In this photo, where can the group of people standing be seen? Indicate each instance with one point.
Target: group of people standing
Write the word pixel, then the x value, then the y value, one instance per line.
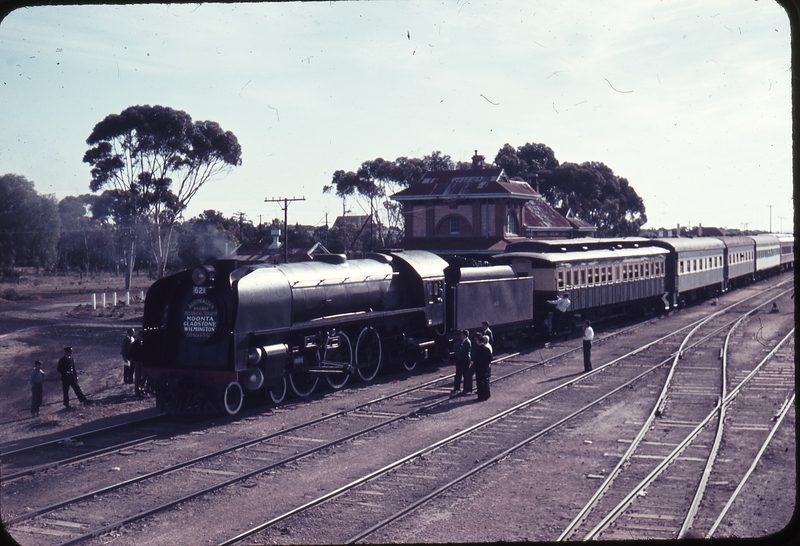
pixel 477 360
pixel 69 380
pixel 132 373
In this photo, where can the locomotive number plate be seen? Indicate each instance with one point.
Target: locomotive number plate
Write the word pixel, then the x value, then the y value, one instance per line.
pixel 200 290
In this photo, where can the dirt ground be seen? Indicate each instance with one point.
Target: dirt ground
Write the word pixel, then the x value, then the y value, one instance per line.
pixel 41 314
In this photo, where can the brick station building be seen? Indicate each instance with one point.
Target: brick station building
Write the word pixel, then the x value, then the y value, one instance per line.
pixel 478 212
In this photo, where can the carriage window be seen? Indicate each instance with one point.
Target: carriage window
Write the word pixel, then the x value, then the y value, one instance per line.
pixel 597 275
pixel 561 280
pixel 681 267
pixel 583 277
pixel 635 271
pixel 603 275
pixel 694 265
pixel 590 277
pixel 618 278
pixel 569 278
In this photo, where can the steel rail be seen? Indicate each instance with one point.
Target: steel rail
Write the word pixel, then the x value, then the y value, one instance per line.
pixel 315 421
pixel 669 459
pixel 5 453
pixel 786 406
pixel 242 477
pixel 701 488
pixel 468 430
pixel 576 521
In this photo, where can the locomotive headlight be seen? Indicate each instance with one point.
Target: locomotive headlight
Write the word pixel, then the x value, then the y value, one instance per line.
pixel 202 274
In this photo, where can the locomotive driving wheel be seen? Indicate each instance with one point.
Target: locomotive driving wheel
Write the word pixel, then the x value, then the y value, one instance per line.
pixel 232 398
pixel 277 392
pixel 302 382
pixel 338 350
pixel 410 361
pixel 369 353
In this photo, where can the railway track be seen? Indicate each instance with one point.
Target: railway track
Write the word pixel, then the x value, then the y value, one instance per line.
pixel 435 469
pixel 277 450
pixel 686 467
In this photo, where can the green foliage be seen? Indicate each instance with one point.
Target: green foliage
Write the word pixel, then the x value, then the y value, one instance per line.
pixel 152 161
pixel 591 190
pixel 29 224
pixel 377 180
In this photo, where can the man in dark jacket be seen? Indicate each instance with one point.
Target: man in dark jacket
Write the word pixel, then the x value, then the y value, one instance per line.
pixel 463 350
pixel 483 363
pixel 69 377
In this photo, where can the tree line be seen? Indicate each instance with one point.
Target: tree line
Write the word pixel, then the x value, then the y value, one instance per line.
pixel 148 162
pixel 589 191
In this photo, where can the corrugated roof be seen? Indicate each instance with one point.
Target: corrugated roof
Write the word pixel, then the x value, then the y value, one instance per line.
pixel 537 213
pixel 465 184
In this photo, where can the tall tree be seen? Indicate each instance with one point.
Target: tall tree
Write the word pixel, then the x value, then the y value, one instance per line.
pixel 595 194
pixel 377 180
pixel 155 159
pixel 591 190
pixel 29 224
pixel 526 162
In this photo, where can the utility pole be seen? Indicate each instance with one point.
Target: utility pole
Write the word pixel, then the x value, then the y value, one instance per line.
pixel 285 208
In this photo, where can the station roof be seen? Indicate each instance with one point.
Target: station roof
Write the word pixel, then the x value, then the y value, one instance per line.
pixel 466 184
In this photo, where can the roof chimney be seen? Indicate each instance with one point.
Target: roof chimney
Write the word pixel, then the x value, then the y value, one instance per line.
pixel 477 161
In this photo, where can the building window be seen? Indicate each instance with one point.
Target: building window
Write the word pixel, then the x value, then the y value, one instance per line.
pixel 455 228
pixel 512 224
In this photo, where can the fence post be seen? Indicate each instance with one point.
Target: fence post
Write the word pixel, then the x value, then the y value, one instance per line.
pixel 115 299
pixel 128 298
pixel 94 301
pixel 104 300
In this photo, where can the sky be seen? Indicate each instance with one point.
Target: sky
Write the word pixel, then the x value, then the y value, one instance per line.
pixel 689 101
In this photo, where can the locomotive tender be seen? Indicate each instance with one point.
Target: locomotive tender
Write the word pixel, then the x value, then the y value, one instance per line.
pixel 223 331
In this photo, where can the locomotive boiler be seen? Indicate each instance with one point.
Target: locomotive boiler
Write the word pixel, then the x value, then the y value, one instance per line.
pixel 224 331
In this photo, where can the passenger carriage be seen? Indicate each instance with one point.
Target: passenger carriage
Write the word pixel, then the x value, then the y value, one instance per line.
pixel 768 255
pixel 739 263
pixel 602 277
pixel 787 251
pixel 695 268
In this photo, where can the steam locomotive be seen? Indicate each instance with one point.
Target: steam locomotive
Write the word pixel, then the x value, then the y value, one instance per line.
pixel 225 331
pixel 220 332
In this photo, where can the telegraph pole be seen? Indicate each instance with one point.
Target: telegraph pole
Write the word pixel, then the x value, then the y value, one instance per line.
pixel 285 208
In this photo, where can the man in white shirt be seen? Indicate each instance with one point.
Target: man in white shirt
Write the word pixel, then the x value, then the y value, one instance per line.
pixel 562 304
pixel 588 336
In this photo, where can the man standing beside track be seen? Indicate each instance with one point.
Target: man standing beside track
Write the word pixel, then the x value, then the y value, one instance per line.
pixel 69 378
pixel 562 304
pixel 588 336
pixel 463 350
pixel 483 366
pixel 127 368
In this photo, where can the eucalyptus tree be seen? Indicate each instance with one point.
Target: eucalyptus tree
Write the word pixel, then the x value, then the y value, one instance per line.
pixel 377 180
pixel 152 160
pixel 29 224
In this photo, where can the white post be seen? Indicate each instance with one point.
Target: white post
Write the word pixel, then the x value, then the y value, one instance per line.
pixel 104 300
pixel 128 298
pixel 115 299
pixel 141 295
pixel 94 301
